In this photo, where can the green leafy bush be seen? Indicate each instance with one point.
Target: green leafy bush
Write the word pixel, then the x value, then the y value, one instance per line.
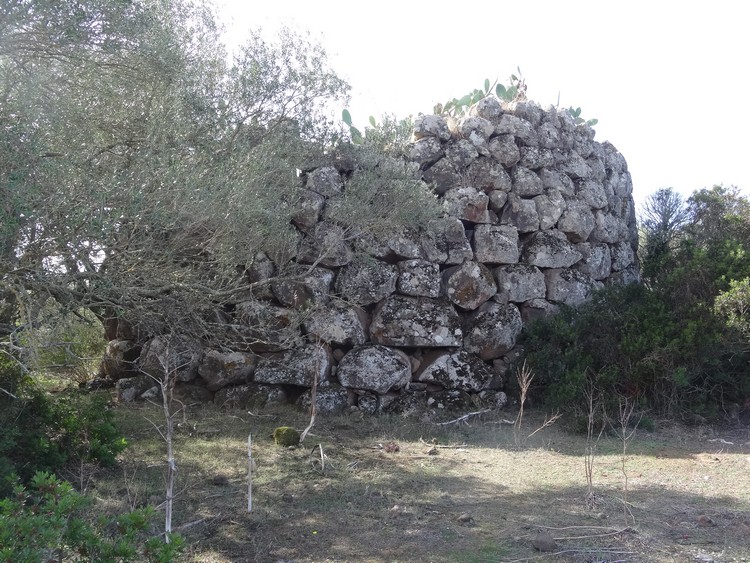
pixel 627 342
pixel 46 521
pixel 42 432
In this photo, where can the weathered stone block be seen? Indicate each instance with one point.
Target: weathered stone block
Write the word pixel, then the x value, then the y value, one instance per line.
pixel 457 370
pixel 419 278
pixel 519 282
pixel 492 330
pixel 366 281
pixel 550 249
pixel 496 244
pixel 411 321
pixel 469 285
pixel 295 367
pixel 374 368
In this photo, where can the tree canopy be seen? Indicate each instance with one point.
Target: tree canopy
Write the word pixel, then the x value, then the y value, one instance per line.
pixel 142 171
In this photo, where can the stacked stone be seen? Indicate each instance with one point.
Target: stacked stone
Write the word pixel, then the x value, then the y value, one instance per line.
pixel 538 214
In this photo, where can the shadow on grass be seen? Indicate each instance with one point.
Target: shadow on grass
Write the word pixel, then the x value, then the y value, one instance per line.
pixel 484 501
pixel 409 516
pixel 369 505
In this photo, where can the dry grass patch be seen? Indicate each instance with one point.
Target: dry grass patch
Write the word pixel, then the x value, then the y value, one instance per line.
pixel 394 489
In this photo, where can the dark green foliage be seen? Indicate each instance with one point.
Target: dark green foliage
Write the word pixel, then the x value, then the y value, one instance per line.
pixel 47 521
pixel 629 343
pixel 666 344
pixel 45 433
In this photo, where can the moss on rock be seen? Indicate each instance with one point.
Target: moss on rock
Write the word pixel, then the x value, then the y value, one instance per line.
pixel 286 436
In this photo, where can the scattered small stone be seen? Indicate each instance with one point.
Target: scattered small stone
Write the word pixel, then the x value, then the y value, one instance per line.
pixel 391 447
pixel 465 518
pixel 544 542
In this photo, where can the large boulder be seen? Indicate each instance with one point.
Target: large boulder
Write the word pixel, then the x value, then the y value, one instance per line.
pixel 338 323
pixel 477 131
pixel 496 244
pixel 444 242
pixel 262 327
pixel 304 288
pixel 571 287
pixel 219 369
pixel 249 395
pixel 456 370
pixel 520 213
pixel 469 285
pixel 526 183
pixel 550 249
pixel 410 321
pixel 534 158
pixel 326 246
pixel 461 153
pixel 418 278
pixel 622 255
pixel 299 367
pixel 577 221
pixel 492 330
pixel 443 176
pixel 519 282
pixel 374 368
pixel 608 228
pixel 549 208
pixel 504 149
pixel 325 181
pixel 309 206
pixel 426 150
pixel 329 400
pixel 592 194
pixel 468 204
pixel 596 261
pixel 431 126
pixel 521 129
pixel 366 281
pixel 484 175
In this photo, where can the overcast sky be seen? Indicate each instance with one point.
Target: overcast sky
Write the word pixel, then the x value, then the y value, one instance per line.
pixel 668 81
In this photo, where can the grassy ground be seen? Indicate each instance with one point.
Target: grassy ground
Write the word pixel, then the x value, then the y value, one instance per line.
pixel 455 492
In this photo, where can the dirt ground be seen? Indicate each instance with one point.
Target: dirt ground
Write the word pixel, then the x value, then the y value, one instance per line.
pixel 394 489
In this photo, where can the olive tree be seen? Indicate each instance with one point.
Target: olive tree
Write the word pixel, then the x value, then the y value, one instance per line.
pixel 142 170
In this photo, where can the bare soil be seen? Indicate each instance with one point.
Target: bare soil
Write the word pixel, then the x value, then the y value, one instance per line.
pixel 395 489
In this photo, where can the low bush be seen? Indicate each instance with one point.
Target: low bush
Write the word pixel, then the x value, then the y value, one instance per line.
pixel 46 521
pixel 628 342
pixel 44 433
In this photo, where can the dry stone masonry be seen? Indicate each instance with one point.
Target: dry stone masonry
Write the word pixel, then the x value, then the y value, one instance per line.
pixel 537 214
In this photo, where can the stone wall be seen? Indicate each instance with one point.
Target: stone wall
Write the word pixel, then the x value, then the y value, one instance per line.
pixel 538 214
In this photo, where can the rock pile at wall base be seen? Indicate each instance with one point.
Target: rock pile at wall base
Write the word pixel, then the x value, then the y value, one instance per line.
pixel 538 214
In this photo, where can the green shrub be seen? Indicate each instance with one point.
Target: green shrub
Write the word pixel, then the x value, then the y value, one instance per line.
pixel 43 433
pixel 47 521
pixel 629 342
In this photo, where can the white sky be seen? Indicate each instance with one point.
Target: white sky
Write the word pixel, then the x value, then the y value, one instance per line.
pixel 668 80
